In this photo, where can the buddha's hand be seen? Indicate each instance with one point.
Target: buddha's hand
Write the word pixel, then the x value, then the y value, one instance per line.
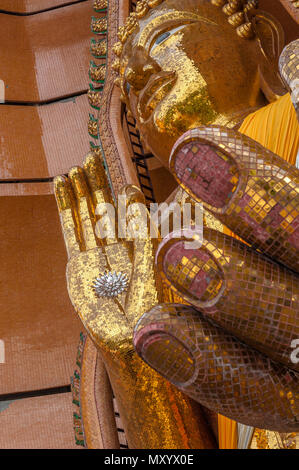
pixel 100 274
pixel 111 283
pixel 235 347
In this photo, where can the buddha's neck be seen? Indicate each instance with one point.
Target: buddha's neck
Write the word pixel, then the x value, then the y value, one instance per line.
pixel 235 120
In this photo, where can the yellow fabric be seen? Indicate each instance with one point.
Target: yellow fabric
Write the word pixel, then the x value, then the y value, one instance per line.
pixel 275 127
pixel 227 433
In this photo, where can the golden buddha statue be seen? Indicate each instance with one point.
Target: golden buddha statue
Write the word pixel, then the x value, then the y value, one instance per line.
pixel 208 67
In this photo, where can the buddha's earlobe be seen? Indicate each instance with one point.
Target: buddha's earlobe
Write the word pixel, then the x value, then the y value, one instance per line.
pixel 270 36
pixel 271 83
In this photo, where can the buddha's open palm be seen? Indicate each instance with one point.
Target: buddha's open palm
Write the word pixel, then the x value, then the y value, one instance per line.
pixel 94 250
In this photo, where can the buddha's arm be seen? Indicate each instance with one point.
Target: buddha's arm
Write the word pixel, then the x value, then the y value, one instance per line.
pixel 154 414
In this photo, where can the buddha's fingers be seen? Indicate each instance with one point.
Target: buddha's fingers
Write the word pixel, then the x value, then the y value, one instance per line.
pixel 216 369
pixel 247 294
pixel 102 199
pixel 251 190
pixel 135 215
pixel 66 203
pixel 142 293
pixel 85 207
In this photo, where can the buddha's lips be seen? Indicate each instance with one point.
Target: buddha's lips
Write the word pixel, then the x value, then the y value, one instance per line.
pixel 154 92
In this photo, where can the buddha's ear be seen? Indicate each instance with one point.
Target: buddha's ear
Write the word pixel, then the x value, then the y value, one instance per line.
pixel 270 36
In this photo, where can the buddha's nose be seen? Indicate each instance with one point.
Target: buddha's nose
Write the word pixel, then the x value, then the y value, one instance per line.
pixel 140 68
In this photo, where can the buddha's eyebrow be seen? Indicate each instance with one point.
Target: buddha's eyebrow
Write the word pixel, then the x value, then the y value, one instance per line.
pixel 170 18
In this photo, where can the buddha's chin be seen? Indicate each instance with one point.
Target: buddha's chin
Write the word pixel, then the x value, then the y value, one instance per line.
pixel 159 138
pixel 160 134
pixel 160 146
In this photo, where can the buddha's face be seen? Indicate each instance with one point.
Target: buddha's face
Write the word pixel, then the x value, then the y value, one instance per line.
pixel 185 66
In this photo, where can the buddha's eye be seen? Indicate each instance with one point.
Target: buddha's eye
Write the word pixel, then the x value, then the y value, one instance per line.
pixel 162 37
pixel 165 35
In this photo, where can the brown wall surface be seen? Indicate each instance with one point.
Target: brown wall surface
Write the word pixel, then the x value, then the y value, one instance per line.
pixel 30 6
pixel 46 56
pixel 40 423
pixel 43 141
pixel 37 322
pixel 43 57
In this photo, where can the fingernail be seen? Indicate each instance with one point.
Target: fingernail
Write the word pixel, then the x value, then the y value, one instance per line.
pixel 95 172
pixel 133 194
pixel 79 184
pixel 193 273
pixel 165 353
pixel 210 174
pixel 62 192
